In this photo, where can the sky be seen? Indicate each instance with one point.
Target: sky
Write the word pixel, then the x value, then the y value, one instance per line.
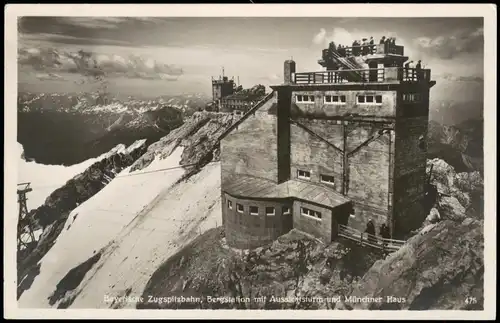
pixel 156 56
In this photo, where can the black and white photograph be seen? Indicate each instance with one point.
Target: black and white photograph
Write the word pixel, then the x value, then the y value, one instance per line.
pixel 232 163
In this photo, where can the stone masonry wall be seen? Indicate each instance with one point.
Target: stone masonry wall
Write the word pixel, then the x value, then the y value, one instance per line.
pixel 251 148
pixel 409 173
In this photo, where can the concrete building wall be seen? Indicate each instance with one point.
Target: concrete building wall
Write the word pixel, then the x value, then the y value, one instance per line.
pixel 320 109
pixel 251 148
pixel 309 153
pixel 320 228
pixel 244 230
pixel 368 184
pixel 410 173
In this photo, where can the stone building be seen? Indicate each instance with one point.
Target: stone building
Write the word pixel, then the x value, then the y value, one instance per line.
pixel 240 102
pixel 221 88
pixel 329 148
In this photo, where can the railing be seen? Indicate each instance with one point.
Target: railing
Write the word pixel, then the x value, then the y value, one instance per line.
pixel 366 239
pixel 363 50
pixel 369 75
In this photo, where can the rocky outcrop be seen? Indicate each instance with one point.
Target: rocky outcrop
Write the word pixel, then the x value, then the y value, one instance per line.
pixel 460 195
pixel 199 135
pixel 297 268
pixel 52 215
pixel 442 267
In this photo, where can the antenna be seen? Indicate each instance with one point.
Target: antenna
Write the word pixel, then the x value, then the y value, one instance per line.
pixel 222 71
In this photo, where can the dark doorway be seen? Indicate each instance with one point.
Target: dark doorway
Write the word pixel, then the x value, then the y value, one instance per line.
pixel 373 71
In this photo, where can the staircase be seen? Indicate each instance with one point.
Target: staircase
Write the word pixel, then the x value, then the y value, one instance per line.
pixel 351 76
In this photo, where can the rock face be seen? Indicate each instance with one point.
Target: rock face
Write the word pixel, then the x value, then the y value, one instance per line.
pixel 460 145
pixel 199 135
pixel 52 216
pixel 460 194
pixel 440 268
pixel 296 268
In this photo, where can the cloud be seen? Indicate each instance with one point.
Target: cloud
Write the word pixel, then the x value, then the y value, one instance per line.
pixel 96 65
pixel 453 78
pixel 49 76
pixel 271 78
pixel 450 46
pixel 319 38
pixel 66 39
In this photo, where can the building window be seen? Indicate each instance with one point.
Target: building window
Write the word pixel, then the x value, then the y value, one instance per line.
pixel 303 174
pixel 335 99
pixel 269 210
pixel 286 210
pixel 412 97
pixel 239 207
pixel 229 204
pixel 310 213
pixel 254 210
pixel 305 98
pixel 327 179
pixel 370 99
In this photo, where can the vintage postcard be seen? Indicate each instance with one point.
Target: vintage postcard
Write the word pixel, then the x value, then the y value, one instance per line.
pixel 250 161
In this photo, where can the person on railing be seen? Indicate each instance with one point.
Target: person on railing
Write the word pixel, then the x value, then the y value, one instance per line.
pixel 370 230
pixel 382 40
pixel 384 233
pixel 418 70
pixel 339 50
pixel 364 49
pixel 387 45
pixel 371 45
pixel 355 48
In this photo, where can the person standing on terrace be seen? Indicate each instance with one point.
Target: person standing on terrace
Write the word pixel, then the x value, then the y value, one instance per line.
pixel 371 45
pixel 364 49
pixel 355 48
pixel 418 70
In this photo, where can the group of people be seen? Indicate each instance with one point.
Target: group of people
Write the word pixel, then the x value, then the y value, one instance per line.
pixel 362 47
pixel 370 229
pixel 418 69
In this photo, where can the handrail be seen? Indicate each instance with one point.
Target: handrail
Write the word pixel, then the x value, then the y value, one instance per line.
pixel 369 75
pixel 369 239
pixel 369 49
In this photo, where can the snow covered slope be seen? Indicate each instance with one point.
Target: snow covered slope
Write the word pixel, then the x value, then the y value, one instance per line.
pixel 47 178
pixel 139 219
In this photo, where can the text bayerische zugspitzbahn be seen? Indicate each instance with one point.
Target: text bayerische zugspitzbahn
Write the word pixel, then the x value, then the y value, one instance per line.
pixel 262 299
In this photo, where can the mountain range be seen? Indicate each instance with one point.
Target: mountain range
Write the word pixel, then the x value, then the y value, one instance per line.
pixel 67 129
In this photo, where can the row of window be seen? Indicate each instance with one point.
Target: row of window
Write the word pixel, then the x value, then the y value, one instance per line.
pixel 310 213
pixel 327 179
pixel 254 210
pixel 341 99
pixel 412 97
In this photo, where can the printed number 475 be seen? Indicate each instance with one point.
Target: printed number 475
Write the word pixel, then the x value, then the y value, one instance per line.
pixel 470 300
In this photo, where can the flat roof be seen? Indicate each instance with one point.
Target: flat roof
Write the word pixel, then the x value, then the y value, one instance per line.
pixel 254 187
